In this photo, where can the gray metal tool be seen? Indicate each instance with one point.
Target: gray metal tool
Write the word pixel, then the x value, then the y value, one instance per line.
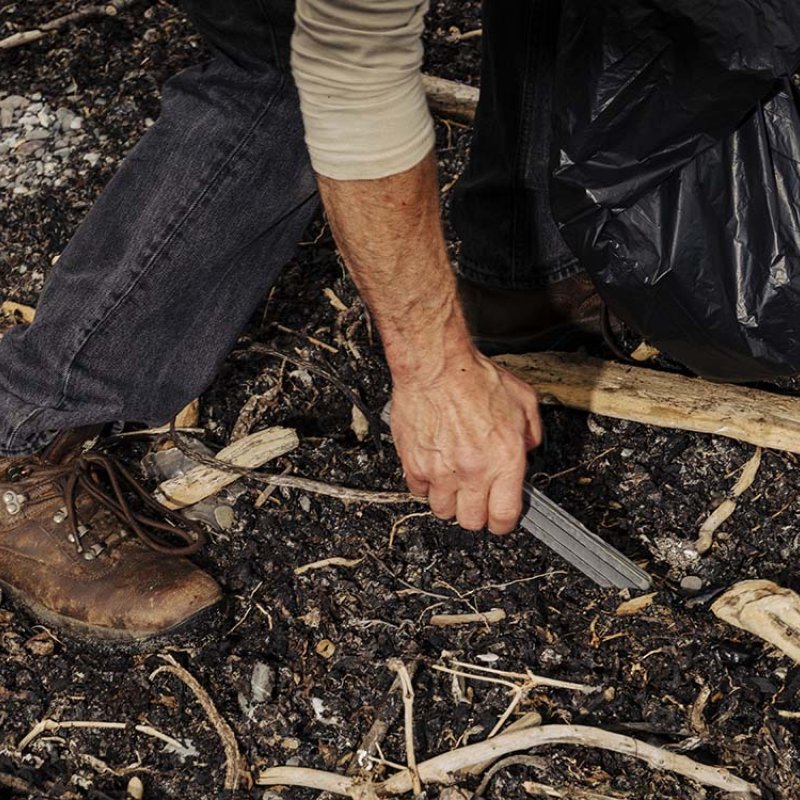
pixel 575 543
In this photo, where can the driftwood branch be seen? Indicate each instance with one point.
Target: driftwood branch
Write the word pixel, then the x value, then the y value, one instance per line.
pixel 445 769
pixel 766 610
pixel 661 398
pixel 451 99
pixel 110 9
pixel 203 481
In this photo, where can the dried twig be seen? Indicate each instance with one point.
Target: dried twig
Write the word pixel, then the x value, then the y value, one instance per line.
pixel 233 758
pixel 335 561
pixel 109 9
pixel 51 726
pixel 451 99
pixel 447 620
pixel 724 510
pixel 397 523
pixel 445 769
pixel 407 685
pixel 343 493
pixel 386 717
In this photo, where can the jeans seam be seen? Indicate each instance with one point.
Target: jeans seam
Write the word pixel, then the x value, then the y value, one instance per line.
pixel 155 257
pixel 16 429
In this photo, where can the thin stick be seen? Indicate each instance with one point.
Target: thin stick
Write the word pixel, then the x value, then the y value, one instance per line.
pixel 233 758
pixel 396 665
pixel 725 509
pixel 343 493
pixel 386 717
pixel 396 525
pixel 51 726
pixel 517 691
pixel 529 677
pixel 447 620
pixel 109 9
pixel 335 561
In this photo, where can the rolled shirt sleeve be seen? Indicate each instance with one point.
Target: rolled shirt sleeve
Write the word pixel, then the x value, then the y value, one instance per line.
pixel 357 67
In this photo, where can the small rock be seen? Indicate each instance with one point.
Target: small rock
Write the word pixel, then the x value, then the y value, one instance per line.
pixel 92 158
pixel 14 101
pixel 692 584
pixel 76 124
pixel 37 134
pixel 28 148
pixel 6 117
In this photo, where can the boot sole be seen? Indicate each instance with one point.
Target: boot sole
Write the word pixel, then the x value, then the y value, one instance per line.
pixel 94 634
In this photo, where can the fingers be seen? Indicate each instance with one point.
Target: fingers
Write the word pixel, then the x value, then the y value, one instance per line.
pixel 443 500
pixel 505 499
pixel 471 507
pixel 417 485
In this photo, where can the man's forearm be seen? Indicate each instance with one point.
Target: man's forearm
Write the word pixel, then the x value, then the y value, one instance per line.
pixel 389 233
pixel 461 425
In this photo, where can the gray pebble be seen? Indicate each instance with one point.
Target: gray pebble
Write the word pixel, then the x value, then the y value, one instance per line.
pixel 692 584
pixel 14 101
pixel 36 134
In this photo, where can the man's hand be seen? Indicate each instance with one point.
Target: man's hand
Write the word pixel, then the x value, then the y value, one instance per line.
pixel 461 425
pixel 463 438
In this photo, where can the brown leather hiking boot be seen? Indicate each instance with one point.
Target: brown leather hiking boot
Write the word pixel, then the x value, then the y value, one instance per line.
pixel 519 321
pixel 77 555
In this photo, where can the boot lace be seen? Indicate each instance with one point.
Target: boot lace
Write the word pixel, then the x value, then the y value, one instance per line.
pixel 106 481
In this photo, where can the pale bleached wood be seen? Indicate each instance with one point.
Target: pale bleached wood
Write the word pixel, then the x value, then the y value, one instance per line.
pixel 661 398
pixel 110 9
pixel 203 481
pixel 451 99
pixel 766 610
pixel 445 769
pixel 14 311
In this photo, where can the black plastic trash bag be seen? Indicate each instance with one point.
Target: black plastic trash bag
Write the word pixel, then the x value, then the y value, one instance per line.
pixel 677 173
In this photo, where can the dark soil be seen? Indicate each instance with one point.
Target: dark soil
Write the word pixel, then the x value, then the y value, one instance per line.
pixel 324 637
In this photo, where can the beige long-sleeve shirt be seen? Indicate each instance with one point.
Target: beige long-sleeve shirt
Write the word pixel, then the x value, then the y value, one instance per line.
pixel 357 67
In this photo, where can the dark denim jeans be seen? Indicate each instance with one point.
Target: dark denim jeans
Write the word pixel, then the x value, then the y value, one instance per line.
pixel 154 288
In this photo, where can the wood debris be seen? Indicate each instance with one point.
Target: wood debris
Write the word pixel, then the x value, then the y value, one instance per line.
pixel 16 312
pixel 490 617
pixel 645 352
pixel 635 604
pixel 663 399
pixel 766 610
pixel 109 9
pixel 234 771
pixel 445 769
pixel 451 99
pixel 203 481
pixel 726 508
